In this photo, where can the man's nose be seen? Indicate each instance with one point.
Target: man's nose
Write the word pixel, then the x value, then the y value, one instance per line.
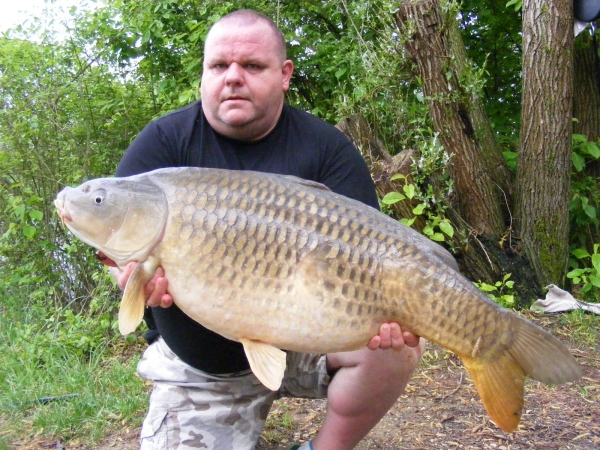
pixel 234 74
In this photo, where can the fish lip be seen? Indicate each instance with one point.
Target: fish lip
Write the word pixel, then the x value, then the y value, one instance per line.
pixel 61 210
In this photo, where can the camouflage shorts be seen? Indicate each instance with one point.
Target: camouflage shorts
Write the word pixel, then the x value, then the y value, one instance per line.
pixel 190 409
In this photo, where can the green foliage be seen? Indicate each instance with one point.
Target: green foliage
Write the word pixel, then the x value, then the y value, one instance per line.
pixel 492 35
pixel 517 4
pixel 428 203
pixel 64 119
pixel 501 291
pixel 583 150
pixel 586 271
pixel 583 207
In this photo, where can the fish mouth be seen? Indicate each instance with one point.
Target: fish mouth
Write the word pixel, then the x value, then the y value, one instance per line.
pixel 62 212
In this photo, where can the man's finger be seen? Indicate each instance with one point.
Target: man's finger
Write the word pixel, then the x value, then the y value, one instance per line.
pixel 410 339
pixel 124 276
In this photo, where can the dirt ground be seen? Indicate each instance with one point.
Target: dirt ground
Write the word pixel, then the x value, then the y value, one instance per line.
pixel 441 410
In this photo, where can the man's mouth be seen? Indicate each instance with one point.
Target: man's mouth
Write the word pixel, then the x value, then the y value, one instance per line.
pixel 235 98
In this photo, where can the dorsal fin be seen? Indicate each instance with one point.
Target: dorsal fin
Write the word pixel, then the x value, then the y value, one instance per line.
pixel 303 182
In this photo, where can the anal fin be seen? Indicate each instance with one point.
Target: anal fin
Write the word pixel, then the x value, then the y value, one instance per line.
pixel 500 386
pixel 266 361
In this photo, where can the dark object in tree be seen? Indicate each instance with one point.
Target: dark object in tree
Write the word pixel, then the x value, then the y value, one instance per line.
pixel 586 10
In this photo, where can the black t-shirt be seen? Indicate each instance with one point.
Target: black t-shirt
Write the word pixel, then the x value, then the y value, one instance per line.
pixel 300 145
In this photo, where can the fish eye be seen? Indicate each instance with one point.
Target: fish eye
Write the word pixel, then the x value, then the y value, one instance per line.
pixel 99 197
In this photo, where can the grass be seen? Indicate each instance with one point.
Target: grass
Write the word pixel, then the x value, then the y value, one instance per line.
pixel 278 420
pixel 584 327
pixel 46 353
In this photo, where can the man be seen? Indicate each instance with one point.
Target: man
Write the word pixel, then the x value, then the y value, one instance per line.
pixel 204 393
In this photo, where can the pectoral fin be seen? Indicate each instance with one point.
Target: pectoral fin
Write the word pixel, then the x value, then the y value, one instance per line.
pixel 267 362
pixel 132 307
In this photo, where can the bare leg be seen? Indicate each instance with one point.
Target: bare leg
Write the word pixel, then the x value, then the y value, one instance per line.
pixel 366 385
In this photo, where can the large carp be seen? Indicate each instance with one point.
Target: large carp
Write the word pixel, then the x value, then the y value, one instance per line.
pixel 276 262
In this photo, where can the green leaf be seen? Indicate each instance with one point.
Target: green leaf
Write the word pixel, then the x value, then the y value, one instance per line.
pixel 36 215
pixel 409 190
pixel 508 299
pixel 340 73
pixel 29 231
pixel 19 211
pixel 418 210
pixel 590 211
pixel 578 161
pixel 408 222
pixel 398 176
pixel 596 262
pixel 593 150
pixel 580 253
pixel 438 237
pixel 595 280
pixel 518 4
pixel 486 287
pixel 447 228
pixel 392 197
pixel 575 273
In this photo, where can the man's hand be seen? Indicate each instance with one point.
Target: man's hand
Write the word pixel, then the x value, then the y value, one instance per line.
pixel 156 289
pixel 391 337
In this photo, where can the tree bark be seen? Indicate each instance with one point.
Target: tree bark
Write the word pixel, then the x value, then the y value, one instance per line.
pixel 586 95
pixel 544 164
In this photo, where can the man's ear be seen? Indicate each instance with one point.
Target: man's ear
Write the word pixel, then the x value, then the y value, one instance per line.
pixel 287 70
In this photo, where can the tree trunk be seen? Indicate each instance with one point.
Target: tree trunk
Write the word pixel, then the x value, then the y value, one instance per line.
pixel 544 164
pixel 586 95
pixel 483 183
pixel 456 116
pixel 586 109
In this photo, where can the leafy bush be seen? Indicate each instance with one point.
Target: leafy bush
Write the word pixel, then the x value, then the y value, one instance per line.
pixel 586 277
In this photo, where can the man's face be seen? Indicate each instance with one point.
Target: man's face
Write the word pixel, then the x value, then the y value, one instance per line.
pixel 244 80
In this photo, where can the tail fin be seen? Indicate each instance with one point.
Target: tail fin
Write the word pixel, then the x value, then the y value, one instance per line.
pixel 500 386
pixel 533 353
pixel 542 356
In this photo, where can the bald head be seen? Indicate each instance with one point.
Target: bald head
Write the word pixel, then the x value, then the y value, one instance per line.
pixel 247 18
pixel 245 75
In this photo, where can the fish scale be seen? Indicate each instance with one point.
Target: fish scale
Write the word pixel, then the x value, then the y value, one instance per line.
pixel 277 262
